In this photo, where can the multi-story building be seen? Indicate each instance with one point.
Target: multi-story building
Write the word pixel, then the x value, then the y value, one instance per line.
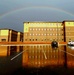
pixel 43 31
pixel 9 35
pixel 69 35
pixel 68 30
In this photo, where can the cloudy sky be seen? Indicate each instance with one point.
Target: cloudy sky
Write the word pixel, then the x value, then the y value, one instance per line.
pixel 14 12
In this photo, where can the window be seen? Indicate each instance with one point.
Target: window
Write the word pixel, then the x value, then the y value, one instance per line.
pixel 30 39
pixel 33 28
pixel 47 34
pixel 36 39
pixel 50 34
pixel 33 39
pixel 30 29
pixel 36 34
pixel 45 29
pixel 56 34
pixel 42 34
pixel 29 57
pixel 36 29
pixel 62 34
pixel 50 29
pixel 53 29
pixel 39 34
pixel 30 34
pixel 42 40
pixel 45 39
pixel 62 29
pixel 59 34
pixel 42 29
pixel 33 34
pixel 3 40
pixel 62 39
pixel 39 29
pixel 59 29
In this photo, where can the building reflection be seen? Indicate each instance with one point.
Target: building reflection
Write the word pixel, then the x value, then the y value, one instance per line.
pixel 3 50
pixel 8 66
pixel 40 56
pixel 10 50
pixel 43 55
pixel 70 57
pixel 36 56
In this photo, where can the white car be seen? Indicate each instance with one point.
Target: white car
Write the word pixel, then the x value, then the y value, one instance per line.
pixel 71 43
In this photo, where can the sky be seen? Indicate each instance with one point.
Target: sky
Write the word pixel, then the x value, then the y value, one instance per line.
pixel 14 12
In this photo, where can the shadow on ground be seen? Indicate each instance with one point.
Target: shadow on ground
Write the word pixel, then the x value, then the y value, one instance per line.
pixel 44 71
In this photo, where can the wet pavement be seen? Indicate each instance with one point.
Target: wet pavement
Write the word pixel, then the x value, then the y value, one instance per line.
pixel 57 61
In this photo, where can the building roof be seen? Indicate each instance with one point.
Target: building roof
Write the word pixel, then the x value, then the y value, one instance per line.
pixel 48 21
pixel 9 29
pixel 68 21
pixel 42 22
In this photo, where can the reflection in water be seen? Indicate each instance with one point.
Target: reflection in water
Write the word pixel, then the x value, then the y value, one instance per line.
pixel 45 60
pixel 7 67
pixel 40 56
pixel 36 59
pixel 3 50
pixel 70 57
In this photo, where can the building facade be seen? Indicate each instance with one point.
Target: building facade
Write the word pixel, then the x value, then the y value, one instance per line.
pixel 47 31
pixel 68 30
pixel 43 31
pixel 9 35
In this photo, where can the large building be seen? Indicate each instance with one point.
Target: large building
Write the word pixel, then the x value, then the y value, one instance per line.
pixel 47 31
pixel 9 35
pixel 68 30
pixel 43 31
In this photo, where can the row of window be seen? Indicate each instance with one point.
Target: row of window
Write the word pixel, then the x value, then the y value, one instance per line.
pixel 42 39
pixel 39 50
pixel 42 57
pixel 32 34
pixel 45 29
pixel 39 63
pixel 38 46
pixel 70 22
pixel 56 23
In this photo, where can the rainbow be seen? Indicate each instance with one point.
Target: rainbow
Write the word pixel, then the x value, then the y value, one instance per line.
pixel 34 7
